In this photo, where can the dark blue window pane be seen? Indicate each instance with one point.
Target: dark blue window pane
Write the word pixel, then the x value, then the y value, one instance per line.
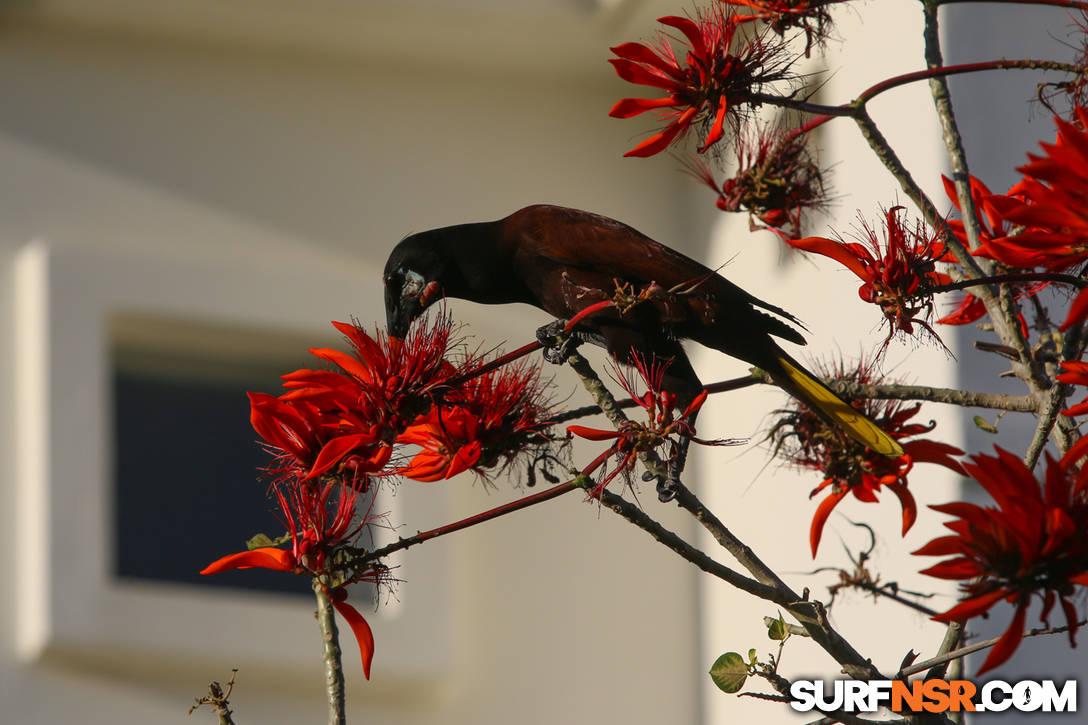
pixel 187 481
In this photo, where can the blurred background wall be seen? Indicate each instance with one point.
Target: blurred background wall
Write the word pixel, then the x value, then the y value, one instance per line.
pixel 238 142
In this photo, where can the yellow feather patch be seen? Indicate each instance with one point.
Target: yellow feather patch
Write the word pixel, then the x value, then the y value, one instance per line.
pixel 857 426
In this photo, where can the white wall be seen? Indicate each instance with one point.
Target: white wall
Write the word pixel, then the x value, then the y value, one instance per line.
pixel 181 147
pixel 267 133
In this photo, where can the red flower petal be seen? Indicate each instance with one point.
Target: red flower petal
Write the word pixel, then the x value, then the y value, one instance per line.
pixel 627 107
pixel 690 29
pixel 824 510
pixel 337 448
pixel 1078 311
pixel 639 53
pixel 659 142
pixel 941 546
pixel 344 361
pixel 717 129
pixel 641 75
pixel 266 557
pixel 837 251
pixel 959 568
pixel 972 607
pixel 593 434
pixel 426 466
pixel 1009 641
pixel 361 630
pixel 906 500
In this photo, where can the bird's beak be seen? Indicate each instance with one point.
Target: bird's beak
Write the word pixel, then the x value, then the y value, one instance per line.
pixel 399 314
pixel 402 309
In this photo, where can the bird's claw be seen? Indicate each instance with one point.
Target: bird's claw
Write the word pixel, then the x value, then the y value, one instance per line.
pixel 667 486
pixel 558 345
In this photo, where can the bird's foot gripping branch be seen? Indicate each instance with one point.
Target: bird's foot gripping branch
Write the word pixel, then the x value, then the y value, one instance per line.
pixel 410 404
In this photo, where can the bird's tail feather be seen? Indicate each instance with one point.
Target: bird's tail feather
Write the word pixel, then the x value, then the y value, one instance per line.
pixel 825 403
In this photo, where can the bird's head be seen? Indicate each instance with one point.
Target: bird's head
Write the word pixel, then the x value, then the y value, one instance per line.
pixel 413 281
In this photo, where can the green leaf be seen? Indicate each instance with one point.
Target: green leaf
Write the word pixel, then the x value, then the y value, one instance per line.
pixel 778 629
pixel 729 672
pixel 262 540
pixel 983 424
pixel 258 541
pixel 752 659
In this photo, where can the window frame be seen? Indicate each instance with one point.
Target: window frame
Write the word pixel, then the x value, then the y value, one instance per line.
pixel 69 603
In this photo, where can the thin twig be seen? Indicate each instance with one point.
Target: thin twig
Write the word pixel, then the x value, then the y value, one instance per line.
pixel 951 396
pixel 1053 402
pixel 719 387
pixel 887 156
pixel 506 508
pixel 810 614
pixel 1075 4
pixel 971 648
pixel 953 638
pixel 895 597
pixel 219 699
pixel 639 518
pixel 943 71
pixel 1068 279
pixel 330 652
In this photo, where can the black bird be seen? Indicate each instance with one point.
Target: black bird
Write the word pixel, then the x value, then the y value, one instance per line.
pixel 563 260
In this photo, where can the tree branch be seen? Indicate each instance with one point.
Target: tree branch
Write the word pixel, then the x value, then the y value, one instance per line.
pixel 506 508
pixel 219 699
pixel 951 396
pixel 971 648
pixel 1068 279
pixel 639 518
pixel 330 651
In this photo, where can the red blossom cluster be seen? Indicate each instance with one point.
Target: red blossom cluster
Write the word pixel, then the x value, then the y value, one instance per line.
pixel 320 519
pixel 898 272
pixel 1050 203
pixel 781 16
pixel 777 178
pixel 1042 221
pixel 663 425
pixel 484 422
pixel 1033 543
pixel 806 441
pixel 335 430
pixel 717 75
pixel 991 225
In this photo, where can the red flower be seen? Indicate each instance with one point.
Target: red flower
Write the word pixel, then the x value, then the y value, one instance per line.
pixel 449 440
pixel 310 442
pixel 319 527
pixel 480 423
pixel 991 226
pixel 662 427
pixel 1051 202
pixel 812 16
pixel 384 382
pixel 511 409
pixel 805 440
pixel 897 273
pixel 1035 542
pixel 709 85
pixel 777 178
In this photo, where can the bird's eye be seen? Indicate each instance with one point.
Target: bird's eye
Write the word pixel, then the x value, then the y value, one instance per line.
pixel 413 285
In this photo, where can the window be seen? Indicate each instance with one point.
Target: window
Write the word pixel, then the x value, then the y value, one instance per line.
pixel 118 357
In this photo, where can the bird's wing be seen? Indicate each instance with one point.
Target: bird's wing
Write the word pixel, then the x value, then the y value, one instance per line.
pixel 602 249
